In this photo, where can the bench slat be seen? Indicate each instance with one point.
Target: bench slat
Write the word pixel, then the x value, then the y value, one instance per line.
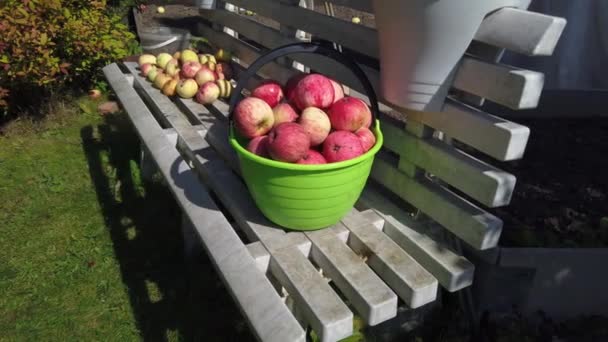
pixel 470 223
pixel 494 136
pixel 505 85
pixel 481 181
pixel 414 284
pixel 372 298
pixel 521 31
pixel 264 309
pixel 453 271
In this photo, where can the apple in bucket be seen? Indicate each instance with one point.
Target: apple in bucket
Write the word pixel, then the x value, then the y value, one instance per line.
pixel 368 139
pixel 288 142
pixel 314 90
pixel 269 91
pixel 259 146
pixel 316 123
pixel 284 112
pixel 342 145
pixel 253 117
pixel 349 114
pixel 312 157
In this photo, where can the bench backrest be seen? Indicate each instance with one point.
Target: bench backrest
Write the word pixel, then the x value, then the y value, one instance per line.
pixel 427 159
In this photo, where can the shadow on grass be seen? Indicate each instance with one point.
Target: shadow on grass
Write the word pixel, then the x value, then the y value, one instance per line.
pixel 170 299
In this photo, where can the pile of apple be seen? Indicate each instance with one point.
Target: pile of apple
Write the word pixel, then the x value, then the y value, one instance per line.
pixel 205 77
pixel 309 121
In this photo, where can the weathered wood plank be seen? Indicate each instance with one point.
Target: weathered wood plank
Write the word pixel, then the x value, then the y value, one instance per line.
pixel 505 85
pixel 399 270
pixel 470 223
pixel 269 318
pixel 372 298
pixel 496 137
pixel 324 310
pixel 481 181
pixel 422 240
pixel 521 31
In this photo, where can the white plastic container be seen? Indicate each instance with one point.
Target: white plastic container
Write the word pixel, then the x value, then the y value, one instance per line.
pixel 421 42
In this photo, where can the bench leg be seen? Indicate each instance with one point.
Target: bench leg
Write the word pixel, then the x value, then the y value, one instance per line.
pixel 146 165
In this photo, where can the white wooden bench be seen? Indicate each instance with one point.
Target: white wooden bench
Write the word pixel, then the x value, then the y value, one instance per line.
pixel 284 281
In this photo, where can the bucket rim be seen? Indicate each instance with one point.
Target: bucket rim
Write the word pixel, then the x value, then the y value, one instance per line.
pixel 242 151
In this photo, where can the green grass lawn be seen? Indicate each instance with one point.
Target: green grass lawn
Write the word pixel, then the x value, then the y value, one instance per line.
pixel 88 251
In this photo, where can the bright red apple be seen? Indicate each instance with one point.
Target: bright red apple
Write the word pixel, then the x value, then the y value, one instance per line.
pixel 312 157
pixel 259 146
pixel 288 142
pixel 284 112
pixel 253 117
pixel 349 114
pixel 368 139
pixel 190 69
pixel 314 90
pixel 316 123
pixel 269 91
pixel 341 145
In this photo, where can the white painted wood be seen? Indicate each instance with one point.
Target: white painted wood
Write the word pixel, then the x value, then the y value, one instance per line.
pixel 481 181
pixel 372 298
pixel 269 318
pixel 260 255
pixel 521 31
pixel 422 240
pixel 494 136
pixel 470 223
pixel 326 313
pixel 508 86
pixel 415 285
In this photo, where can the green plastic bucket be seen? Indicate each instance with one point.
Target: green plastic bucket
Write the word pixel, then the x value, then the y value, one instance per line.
pixel 304 197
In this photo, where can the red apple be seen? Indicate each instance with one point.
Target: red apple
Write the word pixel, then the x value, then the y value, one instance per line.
pixel 314 91
pixel 338 90
pixel 312 157
pixel 259 146
pixel 269 91
pixel 349 114
pixel 284 112
pixel 253 117
pixel 189 69
pixel 208 93
pixel 290 87
pixel 368 139
pixel 204 75
pixel 288 142
pixel 316 123
pixel 341 145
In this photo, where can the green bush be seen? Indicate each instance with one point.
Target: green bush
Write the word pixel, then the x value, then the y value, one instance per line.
pixel 49 45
